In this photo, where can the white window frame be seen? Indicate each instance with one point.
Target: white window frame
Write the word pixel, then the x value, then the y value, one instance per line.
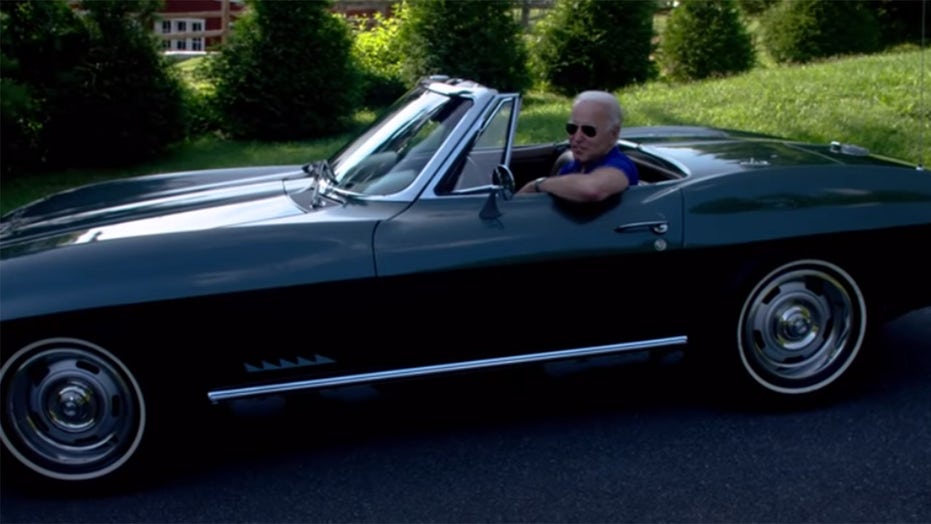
pixel 183 25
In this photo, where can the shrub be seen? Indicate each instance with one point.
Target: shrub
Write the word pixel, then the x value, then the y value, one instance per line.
pixel 900 21
pixel 129 104
pixel 798 31
pixel 201 116
pixel 592 44
pixel 19 120
pixel 476 40
pixel 755 7
pixel 85 90
pixel 375 49
pixel 22 88
pixel 286 73
pixel 705 38
pixel 200 113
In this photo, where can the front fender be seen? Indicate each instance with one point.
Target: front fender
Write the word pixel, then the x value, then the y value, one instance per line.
pixel 184 265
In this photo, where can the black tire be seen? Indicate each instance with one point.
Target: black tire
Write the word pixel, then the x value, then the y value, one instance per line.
pixel 801 328
pixel 71 410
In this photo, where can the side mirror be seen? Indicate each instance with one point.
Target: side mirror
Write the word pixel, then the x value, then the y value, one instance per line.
pixel 502 183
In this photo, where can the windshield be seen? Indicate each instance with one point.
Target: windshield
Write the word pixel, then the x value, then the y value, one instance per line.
pixel 390 154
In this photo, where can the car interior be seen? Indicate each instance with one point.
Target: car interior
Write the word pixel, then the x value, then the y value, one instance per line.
pixel 529 162
pixel 533 161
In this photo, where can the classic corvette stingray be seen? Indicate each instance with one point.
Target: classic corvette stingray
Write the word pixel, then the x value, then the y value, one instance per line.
pixel 407 254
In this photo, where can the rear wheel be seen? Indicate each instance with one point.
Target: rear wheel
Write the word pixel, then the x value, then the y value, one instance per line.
pixel 801 327
pixel 71 410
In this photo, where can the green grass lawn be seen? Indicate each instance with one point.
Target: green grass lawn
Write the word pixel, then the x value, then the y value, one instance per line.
pixel 872 101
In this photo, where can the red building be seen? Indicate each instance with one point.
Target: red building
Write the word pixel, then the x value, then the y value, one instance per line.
pixel 196 25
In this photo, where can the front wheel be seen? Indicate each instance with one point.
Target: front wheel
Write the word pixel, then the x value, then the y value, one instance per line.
pixel 801 327
pixel 71 410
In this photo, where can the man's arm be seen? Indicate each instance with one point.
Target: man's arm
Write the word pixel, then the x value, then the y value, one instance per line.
pixel 590 187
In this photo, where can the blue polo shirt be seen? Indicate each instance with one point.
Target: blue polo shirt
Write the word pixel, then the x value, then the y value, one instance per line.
pixel 614 158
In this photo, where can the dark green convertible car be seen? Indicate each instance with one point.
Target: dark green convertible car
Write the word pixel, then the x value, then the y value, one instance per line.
pixel 130 304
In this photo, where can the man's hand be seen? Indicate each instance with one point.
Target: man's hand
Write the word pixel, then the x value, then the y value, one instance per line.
pixel 527 188
pixel 576 187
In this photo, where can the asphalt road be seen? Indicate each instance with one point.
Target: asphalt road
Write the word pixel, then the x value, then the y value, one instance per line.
pixel 606 442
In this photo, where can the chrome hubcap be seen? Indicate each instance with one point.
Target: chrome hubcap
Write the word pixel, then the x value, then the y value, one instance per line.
pixel 73 407
pixel 73 410
pixel 795 327
pixel 801 327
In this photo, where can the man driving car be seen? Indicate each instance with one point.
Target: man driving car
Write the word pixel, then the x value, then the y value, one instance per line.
pixel 599 169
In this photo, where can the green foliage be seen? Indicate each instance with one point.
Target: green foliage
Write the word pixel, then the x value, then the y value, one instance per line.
pixel 592 44
pixel 19 117
pixel 705 38
pixel 479 40
pixel 130 103
pixel 89 89
pixel 900 21
pixel 201 116
pixel 286 73
pixel 755 7
pixel 872 101
pixel 798 31
pixel 40 50
pixel 375 49
pixel 18 126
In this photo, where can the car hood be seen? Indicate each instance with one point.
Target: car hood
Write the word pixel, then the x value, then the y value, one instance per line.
pixel 159 204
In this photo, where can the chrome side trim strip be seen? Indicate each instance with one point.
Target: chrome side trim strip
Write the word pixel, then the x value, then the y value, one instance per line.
pixel 221 395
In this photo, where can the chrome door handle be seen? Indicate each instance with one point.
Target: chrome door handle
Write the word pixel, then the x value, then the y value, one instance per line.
pixel 658 227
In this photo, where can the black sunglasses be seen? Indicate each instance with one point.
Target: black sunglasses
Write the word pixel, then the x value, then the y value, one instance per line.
pixel 588 131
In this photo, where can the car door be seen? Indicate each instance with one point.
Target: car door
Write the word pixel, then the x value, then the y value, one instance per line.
pixel 471 274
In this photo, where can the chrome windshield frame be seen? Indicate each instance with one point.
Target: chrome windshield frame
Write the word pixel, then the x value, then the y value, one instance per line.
pixel 480 97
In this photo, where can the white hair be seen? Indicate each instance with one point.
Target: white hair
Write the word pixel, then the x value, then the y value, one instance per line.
pixel 607 100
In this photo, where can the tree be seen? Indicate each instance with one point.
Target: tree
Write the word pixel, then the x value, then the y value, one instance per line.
pixel 705 38
pixel 900 20
pixel 798 31
pixel 85 89
pixel 129 103
pixel 286 73
pixel 40 45
pixel 588 44
pixel 755 7
pixel 377 53
pixel 479 40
